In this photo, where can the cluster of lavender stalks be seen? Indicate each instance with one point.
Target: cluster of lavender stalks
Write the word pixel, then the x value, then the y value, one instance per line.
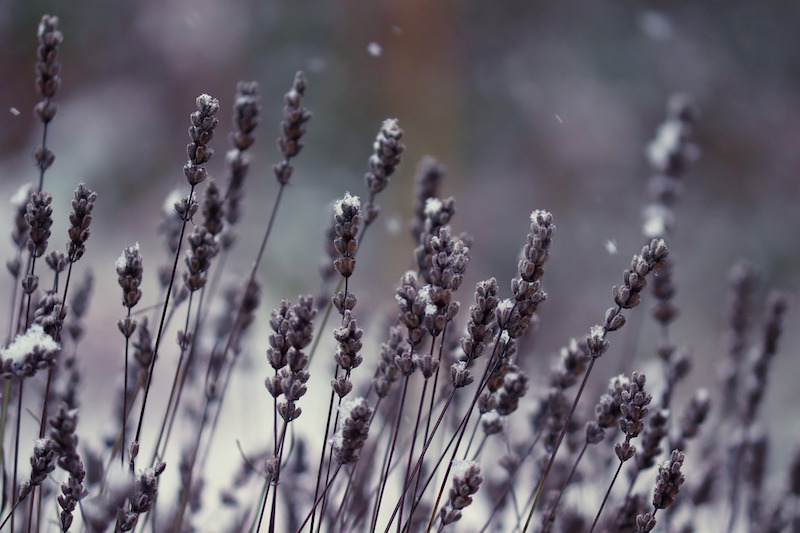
pixel 446 422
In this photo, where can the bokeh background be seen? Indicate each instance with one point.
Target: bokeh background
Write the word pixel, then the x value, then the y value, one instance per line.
pixel 529 104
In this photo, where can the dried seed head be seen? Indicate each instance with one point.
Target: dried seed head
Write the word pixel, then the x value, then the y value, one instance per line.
pixel 81 217
pixel 39 216
pixel 48 67
pixel 355 414
pixel 293 128
pixel 347 214
pixel 201 131
pixel 387 149
pixel 129 275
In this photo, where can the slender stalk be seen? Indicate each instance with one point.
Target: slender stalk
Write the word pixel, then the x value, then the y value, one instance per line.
pixel 605 498
pixel 546 472
pixel 385 475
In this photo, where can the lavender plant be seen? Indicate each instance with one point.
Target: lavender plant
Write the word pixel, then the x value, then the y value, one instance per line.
pixel 502 440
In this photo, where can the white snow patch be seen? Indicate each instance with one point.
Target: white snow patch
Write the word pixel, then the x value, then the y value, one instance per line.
pixel 460 468
pixel 433 206
pixel 348 201
pixel 26 343
pixel 121 260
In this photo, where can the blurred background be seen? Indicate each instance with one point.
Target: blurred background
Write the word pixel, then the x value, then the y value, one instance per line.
pixel 529 105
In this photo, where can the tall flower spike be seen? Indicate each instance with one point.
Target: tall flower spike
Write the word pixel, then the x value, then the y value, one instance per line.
pixel 43 460
pixel 427 183
pixel 347 213
pixel 201 132
pixel 668 482
pixel 352 433
pixel 48 68
pixel 387 149
pixel 293 128
pixel 466 482
pixel 528 293
pixel 129 272
pixel 80 219
pixel 39 217
pixel 246 111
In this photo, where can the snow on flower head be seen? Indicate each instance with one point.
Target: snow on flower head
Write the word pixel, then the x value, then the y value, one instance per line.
pixel 122 260
pixel 25 344
pixel 425 296
pixel 347 405
pixel 504 304
pixel 460 468
pixel 348 201
pixel 432 207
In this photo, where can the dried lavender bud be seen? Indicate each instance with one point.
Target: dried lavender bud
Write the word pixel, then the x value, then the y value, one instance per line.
pixel 48 67
pixel 426 186
pixel 42 463
pixel 81 217
pixel 72 492
pixel 572 363
pixel 653 255
pixel 387 150
pixel 143 346
pixel 50 315
pixel 596 341
pixel 607 411
pixel 278 342
pixel 20 202
pixel 594 433
pixel 39 216
pixel 668 481
pixel 491 424
pixel 633 410
pixel 460 375
pixel 342 386
pixel 655 432
pixel 202 249
pixel 437 215
pixel 349 338
pixel 466 482
pixel 145 492
pixel 213 209
pixel 481 318
pixel 757 380
pixel 201 132
pixel 664 311
pixel 412 308
pixel 347 213
pixel 293 128
pixel 56 260
pixel 344 302
pixel 63 425
pixel 428 365
pixel 527 286
pixel 245 114
pixel 693 417
pixel 515 386
pixel 355 414
pixel 129 272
